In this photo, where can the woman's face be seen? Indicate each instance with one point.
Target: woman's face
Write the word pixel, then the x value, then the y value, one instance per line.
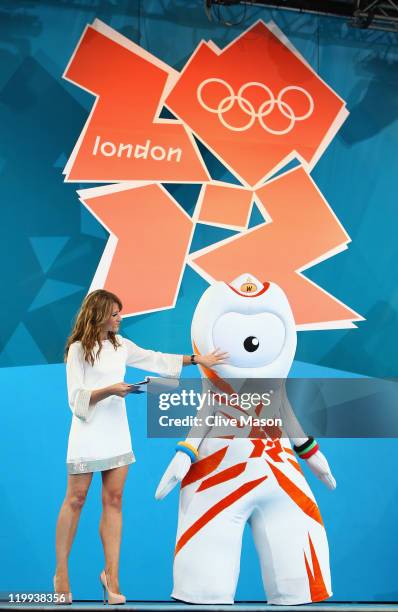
pixel 113 323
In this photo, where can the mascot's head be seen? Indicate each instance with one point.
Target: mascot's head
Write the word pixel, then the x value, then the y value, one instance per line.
pixel 250 320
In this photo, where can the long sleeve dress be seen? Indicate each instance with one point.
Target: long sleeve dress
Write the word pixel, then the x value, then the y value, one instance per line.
pixel 99 437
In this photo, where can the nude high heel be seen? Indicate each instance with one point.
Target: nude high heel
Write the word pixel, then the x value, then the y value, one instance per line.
pixel 114 599
pixel 63 597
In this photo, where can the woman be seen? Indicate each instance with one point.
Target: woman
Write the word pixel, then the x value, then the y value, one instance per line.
pixel 99 440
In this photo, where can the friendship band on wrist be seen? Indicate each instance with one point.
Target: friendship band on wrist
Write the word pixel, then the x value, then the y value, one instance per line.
pixel 306 450
pixel 187 448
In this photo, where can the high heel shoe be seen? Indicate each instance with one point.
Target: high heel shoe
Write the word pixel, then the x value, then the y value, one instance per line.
pixel 113 598
pixel 63 597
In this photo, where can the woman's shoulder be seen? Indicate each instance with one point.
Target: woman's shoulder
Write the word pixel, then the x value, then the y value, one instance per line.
pixel 75 352
pixel 75 346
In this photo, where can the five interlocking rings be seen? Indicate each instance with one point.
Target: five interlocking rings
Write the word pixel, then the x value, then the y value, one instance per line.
pixel 264 109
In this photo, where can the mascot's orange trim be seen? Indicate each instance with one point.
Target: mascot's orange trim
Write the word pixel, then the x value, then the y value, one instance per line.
pixel 223 476
pixel 258 448
pixel 301 499
pixel 216 509
pixel 315 579
pixel 295 465
pixel 203 467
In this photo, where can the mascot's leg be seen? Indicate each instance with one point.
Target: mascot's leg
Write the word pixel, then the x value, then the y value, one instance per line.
pixel 291 541
pixel 212 516
pixel 206 569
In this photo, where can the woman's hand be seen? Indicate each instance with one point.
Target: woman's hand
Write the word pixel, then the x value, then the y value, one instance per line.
pixel 121 389
pixel 214 358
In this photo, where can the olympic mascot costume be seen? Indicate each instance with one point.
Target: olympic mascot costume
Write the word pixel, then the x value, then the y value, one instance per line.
pixel 228 481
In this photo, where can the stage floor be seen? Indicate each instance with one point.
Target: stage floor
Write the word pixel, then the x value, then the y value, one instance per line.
pixel 148 606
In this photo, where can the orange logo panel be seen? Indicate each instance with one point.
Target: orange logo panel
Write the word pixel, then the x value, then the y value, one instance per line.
pixel 256 104
pixel 225 205
pixel 147 263
pixel 302 230
pixel 122 139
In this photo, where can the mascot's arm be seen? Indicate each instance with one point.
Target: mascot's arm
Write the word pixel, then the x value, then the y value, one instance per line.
pixel 186 453
pixel 306 447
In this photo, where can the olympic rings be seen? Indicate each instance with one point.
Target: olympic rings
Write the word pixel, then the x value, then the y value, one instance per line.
pixel 247 107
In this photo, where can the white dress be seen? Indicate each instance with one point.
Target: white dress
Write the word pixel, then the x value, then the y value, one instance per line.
pixel 99 437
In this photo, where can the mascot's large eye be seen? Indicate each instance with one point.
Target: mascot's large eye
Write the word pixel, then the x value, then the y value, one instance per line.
pixel 251 344
pixel 252 341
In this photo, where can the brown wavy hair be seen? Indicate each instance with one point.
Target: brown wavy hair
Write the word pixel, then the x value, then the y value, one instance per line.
pixel 94 312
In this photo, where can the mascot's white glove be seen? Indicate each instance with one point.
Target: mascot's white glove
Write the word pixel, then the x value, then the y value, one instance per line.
pixel 319 466
pixel 316 461
pixel 175 472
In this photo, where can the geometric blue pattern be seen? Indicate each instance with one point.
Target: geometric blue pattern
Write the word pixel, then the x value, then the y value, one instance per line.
pixel 21 348
pixel 60 162
pixel 90 225
pixel 256 218
pixel 47 249
pixel 206 235
pixel 300 369
pixel 52 291
pixel 294 163
pixel 218 171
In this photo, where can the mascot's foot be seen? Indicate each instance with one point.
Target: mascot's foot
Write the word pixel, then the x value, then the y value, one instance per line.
pixel 296 602
pixel 189 601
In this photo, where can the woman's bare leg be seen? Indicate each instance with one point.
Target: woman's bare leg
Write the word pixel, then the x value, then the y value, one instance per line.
pixel 68 518
pixel 111 522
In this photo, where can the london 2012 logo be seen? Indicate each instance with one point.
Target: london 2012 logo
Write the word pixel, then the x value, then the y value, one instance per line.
pixel 256 106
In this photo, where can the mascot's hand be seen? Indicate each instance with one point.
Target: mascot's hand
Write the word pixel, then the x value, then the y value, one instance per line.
pixel 177 469
pixel 320 467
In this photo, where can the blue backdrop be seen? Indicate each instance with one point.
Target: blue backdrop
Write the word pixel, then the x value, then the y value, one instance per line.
pixel 50 249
